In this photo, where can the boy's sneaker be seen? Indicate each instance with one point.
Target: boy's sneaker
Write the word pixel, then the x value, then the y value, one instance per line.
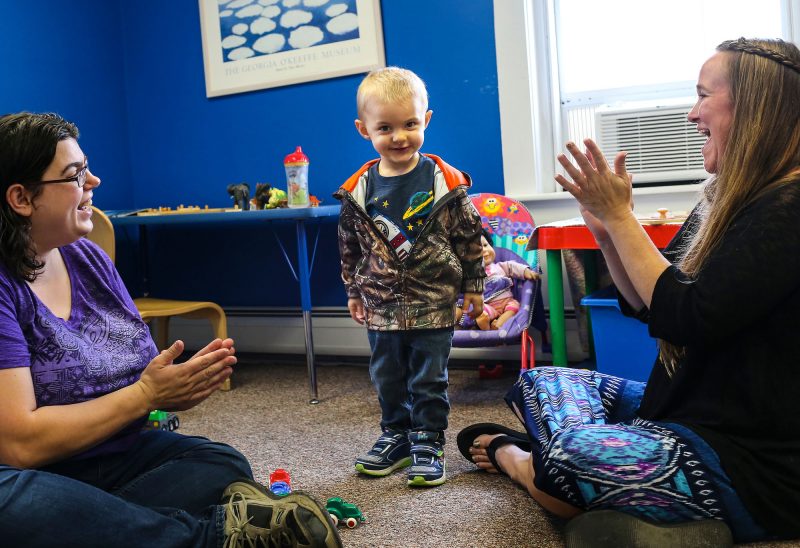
pixel 256 517
pixel 427 466
pixel 391 452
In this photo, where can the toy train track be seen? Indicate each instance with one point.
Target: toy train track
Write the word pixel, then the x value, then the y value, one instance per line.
pixel 183 210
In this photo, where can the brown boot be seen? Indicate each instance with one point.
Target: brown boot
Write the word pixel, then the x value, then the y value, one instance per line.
pixel 254 516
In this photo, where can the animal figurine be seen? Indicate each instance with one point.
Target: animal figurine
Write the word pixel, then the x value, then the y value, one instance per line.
pixel 240 194
pixel 277 198
pixel 262 195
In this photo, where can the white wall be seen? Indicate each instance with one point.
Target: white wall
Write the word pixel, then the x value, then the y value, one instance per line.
pixel 338 336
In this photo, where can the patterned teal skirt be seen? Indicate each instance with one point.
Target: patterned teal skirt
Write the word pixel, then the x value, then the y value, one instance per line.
pixel 591 451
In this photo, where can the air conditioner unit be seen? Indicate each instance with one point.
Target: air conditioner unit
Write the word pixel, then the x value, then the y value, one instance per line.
pixel 662 145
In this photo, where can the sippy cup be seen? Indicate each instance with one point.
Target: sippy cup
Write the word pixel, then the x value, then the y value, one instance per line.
pixel 296 165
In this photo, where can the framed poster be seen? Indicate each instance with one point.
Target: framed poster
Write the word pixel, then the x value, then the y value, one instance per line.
pixel 258 44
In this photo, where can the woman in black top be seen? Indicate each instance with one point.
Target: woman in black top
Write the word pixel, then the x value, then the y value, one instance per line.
pixel 713 439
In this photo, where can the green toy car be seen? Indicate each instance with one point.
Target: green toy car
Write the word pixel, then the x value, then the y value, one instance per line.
pixel 344 512
pixel 163 420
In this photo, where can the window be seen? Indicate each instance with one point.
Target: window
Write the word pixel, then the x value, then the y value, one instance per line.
pixel 555 71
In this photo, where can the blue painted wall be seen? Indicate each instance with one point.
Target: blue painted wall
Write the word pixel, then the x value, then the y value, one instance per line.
pixel 130 72
pixel 66 57
pixel 186 148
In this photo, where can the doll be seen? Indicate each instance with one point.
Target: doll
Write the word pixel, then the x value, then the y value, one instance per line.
pixel 499 304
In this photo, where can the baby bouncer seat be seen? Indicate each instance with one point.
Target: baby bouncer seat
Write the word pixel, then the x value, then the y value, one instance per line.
pixel 510 225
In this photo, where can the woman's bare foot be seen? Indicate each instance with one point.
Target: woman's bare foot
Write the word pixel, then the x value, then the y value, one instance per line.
pixel 513 461
pixel 479 455
pixel 518 465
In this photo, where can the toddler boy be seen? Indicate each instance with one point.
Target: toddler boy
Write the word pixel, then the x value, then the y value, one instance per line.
pixel 409 240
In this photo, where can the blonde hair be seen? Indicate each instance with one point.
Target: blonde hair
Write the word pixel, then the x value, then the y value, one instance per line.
pixel 763 150
pixel 391 85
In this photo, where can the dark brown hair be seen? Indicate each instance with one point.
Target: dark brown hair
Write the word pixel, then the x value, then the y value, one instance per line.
pixel 27 147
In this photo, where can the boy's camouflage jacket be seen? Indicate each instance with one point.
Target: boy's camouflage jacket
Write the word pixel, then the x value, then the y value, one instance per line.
pixel 445 260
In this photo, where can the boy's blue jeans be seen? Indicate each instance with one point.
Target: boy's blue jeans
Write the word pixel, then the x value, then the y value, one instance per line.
pixel 409 371
pixel 162 492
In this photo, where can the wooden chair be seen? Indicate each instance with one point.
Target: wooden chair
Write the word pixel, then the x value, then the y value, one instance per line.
pixel 160 309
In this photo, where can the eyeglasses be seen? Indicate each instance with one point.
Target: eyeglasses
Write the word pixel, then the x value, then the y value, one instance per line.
pixel 79 178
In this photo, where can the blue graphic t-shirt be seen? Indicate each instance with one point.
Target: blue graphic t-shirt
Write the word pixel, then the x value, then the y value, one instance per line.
pixel 400 205
pixel 102 347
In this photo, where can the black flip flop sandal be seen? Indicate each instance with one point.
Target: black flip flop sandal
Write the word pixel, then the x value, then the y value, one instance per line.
pixel 467 436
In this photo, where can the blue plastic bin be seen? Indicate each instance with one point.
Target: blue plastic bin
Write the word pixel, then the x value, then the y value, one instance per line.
pixel 622 345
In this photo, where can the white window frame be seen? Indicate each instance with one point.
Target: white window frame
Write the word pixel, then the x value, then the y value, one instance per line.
pixel 528 94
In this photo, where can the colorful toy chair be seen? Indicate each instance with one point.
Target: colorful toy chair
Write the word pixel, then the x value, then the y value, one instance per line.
pixel 511 226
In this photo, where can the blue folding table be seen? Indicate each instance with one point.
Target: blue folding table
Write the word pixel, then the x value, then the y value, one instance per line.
pixel 304 263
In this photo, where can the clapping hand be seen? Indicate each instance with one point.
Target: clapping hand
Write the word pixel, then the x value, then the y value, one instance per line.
pixel 601 192
pixel 177 386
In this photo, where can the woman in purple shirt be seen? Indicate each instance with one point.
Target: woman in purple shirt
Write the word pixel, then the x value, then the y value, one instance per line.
pixel 79 374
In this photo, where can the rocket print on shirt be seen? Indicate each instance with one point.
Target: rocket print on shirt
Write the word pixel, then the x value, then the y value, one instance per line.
pixel 397 238
pixel 401 237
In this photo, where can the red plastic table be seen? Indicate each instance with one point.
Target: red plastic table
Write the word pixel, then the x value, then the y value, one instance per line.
pixel 573 234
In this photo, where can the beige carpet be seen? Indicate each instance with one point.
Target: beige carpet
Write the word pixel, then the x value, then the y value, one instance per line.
pixel 268 418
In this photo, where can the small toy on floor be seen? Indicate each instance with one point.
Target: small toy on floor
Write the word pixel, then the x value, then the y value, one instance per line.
pixel 162 420
pixel 344 512
pixel 280 482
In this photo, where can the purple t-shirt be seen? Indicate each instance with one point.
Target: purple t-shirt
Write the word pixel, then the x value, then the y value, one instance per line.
pixel 102 347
